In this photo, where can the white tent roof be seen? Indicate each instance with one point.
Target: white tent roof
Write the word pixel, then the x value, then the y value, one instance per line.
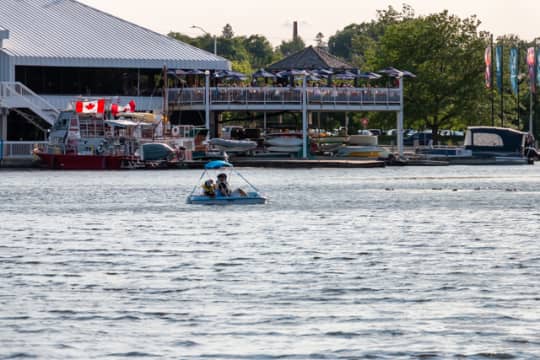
pixel 68 33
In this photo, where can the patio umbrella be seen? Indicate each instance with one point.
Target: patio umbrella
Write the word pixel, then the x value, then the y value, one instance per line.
pixel 261 73
pixel 323 73
pixel 229 74
pixel 368 75
pixel 347 75
pixel 194 72
pixel 293 72
pixel 393 72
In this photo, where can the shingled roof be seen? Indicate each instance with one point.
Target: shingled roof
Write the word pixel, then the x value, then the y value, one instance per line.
pixel 311 58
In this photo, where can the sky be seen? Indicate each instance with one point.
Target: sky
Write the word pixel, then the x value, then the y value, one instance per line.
pixel 274 18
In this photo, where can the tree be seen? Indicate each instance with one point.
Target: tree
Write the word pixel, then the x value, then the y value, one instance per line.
pixel 227 32
pixel 319 39
pixel 260 51
pixel 290 47
pixel 355 41
pixel 446 54
pixel 184 38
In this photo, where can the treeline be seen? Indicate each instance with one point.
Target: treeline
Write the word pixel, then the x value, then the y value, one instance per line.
pixel 444 51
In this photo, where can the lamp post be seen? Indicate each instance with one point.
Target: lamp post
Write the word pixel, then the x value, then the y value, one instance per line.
pixel 207 33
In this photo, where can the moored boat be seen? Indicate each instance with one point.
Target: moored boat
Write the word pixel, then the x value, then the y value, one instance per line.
pixel 96 135
pixel 487 145
pixel 231 145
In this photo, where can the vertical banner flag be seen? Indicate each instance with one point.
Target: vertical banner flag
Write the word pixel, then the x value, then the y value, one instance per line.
pixel 487 59
pixel 514 69
pixel 498 66
pixel 538 67
pixel 531 61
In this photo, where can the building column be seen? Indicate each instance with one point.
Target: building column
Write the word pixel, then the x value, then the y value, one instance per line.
pixel 3 123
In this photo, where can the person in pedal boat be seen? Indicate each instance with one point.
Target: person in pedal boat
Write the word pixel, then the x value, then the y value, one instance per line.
pixel 209 188
pixel 223 186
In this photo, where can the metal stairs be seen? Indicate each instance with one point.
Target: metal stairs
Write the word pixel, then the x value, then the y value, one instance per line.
pixel 16 95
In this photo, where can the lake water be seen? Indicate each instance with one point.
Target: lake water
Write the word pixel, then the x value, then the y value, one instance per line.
pixel 392 263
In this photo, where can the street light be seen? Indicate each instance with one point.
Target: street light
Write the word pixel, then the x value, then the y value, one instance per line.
pixel 207 33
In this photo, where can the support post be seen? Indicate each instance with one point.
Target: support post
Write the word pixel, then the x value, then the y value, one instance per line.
pixel 400 119
pixel 3 130
pixel 3 123
pixel 531 109
pixel 304 118
pixel 207 101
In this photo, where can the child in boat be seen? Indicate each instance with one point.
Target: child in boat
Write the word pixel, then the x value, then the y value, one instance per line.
pixel 224 189
pixel 209 188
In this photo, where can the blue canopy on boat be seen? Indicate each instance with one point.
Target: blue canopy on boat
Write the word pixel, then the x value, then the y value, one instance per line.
pixel 216 164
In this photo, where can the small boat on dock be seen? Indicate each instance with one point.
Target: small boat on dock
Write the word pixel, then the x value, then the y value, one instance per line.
pixel 207 192
pixel 487 145
pixel 230 145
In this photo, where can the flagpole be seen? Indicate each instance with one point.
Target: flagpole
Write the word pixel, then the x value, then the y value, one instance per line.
pixel 492 90
pixel 502 85
pixel 517 91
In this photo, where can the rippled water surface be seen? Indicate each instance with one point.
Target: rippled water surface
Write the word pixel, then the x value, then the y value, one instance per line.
pixel 413 262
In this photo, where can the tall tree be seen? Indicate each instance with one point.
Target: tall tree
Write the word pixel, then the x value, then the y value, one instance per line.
pixel 227 32
pixel 290 47
pixel 260 51
pixel 319 40
pixel 446 53
pixel 355 41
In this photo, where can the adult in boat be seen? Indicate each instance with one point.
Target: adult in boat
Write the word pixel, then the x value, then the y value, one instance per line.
pixel 223 186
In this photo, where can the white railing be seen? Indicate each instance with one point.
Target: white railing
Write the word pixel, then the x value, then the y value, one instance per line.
pixel 18 95
pixel 280 95
pixel 19 149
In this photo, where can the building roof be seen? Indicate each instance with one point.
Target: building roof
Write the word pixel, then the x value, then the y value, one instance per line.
pixel 309 59
pixel 69 33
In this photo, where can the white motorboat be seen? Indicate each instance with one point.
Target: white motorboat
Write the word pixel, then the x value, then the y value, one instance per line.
pixel 230 145
pixel 282 140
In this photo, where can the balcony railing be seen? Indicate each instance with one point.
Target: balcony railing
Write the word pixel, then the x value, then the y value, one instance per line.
pixel 19 149
pixel 291 96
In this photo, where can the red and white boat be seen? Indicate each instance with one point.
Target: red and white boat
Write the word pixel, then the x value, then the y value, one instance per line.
pixel 95 135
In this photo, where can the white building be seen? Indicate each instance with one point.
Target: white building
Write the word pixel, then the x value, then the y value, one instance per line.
pixel 63 49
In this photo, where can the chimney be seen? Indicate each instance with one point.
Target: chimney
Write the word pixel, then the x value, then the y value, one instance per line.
pixel 295 31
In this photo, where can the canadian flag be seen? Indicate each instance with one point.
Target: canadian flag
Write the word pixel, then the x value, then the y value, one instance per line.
pixel 90 107
pixel 115 108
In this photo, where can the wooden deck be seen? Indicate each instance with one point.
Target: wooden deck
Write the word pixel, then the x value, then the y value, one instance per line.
pixel 294 163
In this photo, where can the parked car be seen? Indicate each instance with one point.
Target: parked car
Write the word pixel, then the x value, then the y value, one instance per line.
pixel 375 132
pixel 419 138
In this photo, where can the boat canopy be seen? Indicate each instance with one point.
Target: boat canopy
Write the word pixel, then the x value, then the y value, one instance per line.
pixel 217 164
pixel 485 138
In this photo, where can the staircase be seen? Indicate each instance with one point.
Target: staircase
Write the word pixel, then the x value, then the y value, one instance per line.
pixel 16 95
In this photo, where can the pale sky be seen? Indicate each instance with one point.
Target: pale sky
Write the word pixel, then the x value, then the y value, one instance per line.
pixel 274 18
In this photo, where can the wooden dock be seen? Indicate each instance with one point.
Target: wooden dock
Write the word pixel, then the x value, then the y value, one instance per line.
pixel 294 163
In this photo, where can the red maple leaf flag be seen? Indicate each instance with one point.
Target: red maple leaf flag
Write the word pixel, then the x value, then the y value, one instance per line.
pixel 90 107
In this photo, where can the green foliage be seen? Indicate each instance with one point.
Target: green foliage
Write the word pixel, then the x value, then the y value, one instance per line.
pixel 446 54
pixel 290 47
pixel 260 51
